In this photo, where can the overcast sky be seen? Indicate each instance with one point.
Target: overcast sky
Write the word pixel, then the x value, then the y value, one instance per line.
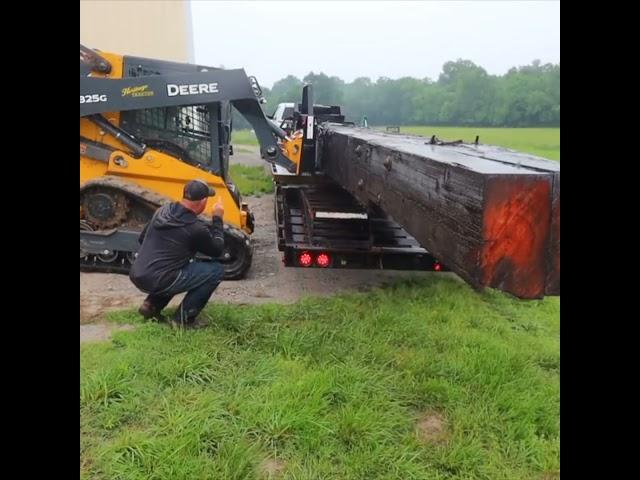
pixel 351 39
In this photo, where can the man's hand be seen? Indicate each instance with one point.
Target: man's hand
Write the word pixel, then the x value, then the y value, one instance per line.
pixel 218 209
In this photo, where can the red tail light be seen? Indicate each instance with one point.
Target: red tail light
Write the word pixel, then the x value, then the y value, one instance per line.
pixel 323 260
pixel 305 259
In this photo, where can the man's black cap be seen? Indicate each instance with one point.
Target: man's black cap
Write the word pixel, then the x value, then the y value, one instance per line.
pixel 197 190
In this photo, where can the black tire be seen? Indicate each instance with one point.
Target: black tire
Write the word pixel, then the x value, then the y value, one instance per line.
pixel 237 244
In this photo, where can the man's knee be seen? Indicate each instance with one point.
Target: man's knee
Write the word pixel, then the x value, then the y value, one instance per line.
pixel 215 271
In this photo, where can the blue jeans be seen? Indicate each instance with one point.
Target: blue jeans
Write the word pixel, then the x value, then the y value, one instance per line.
pixel 199 280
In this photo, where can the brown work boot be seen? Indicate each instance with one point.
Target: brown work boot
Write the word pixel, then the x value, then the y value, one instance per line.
pixel 187 324
pixel 149 311
pixel 193 325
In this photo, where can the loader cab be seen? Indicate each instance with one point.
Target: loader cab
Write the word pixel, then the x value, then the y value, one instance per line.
pixel 197 134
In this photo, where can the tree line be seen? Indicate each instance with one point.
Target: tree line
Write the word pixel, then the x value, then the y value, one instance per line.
pixel 463 95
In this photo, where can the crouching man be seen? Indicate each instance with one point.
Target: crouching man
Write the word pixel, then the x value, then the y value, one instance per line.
pixel 165 264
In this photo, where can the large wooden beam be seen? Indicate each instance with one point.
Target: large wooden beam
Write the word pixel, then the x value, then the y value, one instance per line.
pixel 489 214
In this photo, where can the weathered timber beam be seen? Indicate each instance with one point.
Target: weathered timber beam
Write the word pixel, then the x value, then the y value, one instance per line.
pixel 489 214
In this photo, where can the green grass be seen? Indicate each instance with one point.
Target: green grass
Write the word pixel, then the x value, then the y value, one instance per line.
pixel 251 180
pixel 544 142
pixel 244 137
pixel 331 388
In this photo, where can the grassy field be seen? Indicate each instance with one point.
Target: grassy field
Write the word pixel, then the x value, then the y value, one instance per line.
pixel 251 180
pixel 418 380
pixel 243 137
pixel 544 142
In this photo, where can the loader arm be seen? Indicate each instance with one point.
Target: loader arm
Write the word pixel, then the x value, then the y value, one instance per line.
pixel 99 95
